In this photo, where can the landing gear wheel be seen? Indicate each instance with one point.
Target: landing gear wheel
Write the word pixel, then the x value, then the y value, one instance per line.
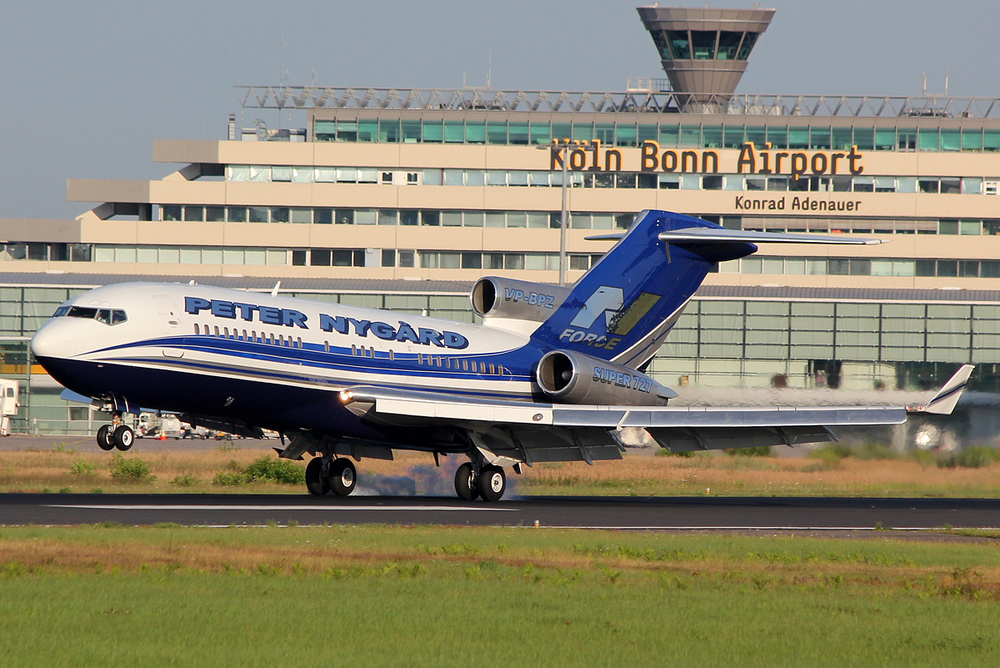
pixel 492 483
pixel 123 438
pixel 316 482
pixel 465 482
pixel 104 438
pixel 343 477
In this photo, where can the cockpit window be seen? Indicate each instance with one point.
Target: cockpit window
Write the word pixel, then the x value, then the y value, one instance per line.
pixel 82 312
pixel 106 315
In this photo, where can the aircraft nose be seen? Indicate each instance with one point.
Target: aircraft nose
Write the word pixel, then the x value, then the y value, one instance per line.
pixel 51 340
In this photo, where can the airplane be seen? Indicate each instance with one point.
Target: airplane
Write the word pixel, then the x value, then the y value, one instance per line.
pixel 552 373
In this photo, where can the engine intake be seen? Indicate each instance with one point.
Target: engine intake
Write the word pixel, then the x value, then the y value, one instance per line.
pixel 573 378
pixel 494 297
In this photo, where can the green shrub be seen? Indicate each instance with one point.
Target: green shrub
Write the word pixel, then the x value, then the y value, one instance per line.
pixel 132 470
pixel 185 480
pixel 875 451
pixel 832 453
pixel 81 467
pixel 229 479
pixel 663 452
pixel 757 451
pixel 276 470
pixel 974 457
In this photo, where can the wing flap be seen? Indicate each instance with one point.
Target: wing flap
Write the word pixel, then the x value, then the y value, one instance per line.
pixel 679 439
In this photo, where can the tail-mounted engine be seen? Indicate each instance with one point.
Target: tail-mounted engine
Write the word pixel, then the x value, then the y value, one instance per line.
pixel 504 298
pixel 573 378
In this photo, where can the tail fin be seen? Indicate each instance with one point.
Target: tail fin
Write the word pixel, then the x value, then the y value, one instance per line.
pixel 622 309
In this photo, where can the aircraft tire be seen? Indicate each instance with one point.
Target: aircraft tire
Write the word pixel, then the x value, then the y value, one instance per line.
pixel 465 483
pixel 492 483
pixel 316 483
pixel 123 437
pixel 104 438
pixel 343 477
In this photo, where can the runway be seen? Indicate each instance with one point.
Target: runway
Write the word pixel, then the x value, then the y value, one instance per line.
pixel 629 513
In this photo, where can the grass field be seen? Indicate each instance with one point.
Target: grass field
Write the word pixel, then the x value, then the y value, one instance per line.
pixel 448 596
pixel 219 469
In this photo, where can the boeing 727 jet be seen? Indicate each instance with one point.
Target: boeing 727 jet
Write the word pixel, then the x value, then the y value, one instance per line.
pixel 552 373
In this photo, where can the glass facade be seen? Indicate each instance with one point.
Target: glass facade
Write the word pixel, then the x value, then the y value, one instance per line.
pixel 781 135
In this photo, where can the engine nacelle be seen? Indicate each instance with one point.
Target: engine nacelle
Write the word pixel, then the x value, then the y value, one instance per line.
pixel 573 378
pixel 505 298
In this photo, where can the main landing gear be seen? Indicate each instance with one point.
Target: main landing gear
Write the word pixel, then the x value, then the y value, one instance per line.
pixel 488 481
pixel 324 474
pixel 115 435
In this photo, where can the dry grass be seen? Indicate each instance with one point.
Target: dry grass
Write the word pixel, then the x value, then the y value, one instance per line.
pixel 52 471
pixel 638 474
pixel 723 475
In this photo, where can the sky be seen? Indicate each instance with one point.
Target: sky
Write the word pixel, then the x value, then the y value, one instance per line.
pixel 85 88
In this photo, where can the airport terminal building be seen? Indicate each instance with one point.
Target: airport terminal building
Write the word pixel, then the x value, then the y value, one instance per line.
pixel 402 198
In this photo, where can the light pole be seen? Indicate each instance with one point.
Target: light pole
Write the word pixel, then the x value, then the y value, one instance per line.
pixel 563 149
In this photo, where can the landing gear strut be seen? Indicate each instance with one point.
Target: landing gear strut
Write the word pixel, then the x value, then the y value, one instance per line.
pixel 324 475
pixel 115 435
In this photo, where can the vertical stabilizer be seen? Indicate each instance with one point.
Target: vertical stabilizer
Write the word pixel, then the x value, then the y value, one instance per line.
pixel 622 309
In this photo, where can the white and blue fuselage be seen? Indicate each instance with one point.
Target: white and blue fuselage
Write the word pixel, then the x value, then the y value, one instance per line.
pixel 270 361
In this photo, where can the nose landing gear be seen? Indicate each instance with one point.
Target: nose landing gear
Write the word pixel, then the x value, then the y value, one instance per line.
pixel 115 435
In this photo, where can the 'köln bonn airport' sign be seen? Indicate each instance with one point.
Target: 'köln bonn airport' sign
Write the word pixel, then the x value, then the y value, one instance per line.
pixel 750 160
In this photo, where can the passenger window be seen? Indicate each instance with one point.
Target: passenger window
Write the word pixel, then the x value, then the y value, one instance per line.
pixel 326 346
pixel 196 328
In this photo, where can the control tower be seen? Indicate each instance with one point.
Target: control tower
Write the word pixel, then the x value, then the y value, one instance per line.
pixel 704 51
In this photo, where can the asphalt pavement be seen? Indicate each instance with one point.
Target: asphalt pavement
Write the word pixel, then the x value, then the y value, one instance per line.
pixel 673 513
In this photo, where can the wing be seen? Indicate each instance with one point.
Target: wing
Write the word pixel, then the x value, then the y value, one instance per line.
pixel 511 432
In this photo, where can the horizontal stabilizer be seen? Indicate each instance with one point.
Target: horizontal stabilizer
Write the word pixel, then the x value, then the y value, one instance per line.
pixel 945 400
pixel 717 235
pixel 714 235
